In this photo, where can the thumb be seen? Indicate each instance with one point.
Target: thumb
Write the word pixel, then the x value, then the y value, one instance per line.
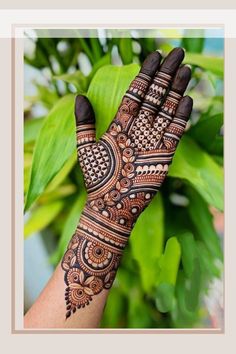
pixel 85 122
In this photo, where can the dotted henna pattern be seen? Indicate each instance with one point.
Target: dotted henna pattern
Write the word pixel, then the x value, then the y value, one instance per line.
pixel 123 171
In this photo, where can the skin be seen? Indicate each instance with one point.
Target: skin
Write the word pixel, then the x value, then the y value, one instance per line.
pixel 49 309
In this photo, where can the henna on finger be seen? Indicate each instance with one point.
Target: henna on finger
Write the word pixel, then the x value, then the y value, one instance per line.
pixel 161 81
pixel 176 128
pixel 135 94
pixel 170 104
pixel 148 129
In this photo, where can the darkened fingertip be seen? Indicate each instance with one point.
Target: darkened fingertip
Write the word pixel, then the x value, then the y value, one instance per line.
pixel 184 108
pixel 151 64
pixel 172 61
pixel 84 112
pixel 181 79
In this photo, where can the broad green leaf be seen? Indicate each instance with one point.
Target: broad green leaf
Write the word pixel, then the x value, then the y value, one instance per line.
pixel 106 91
pixel 181 314
pixel 210 268
pixel 193 45
pixel 31 129
pixel 206 130
pixel 192 164
pixel 147 242
pixel 42 217
pixel 114 313
pixel 138 312
pixel 192 269
pixel 213 64
pixel 69 227
pixel 54 146
pixel 62 174
pixel 169 262
pixel 27 166
pixel 188 252
pixel 96 48
pixel 165 295
pixel 193 287
pixel 203 222
pixel 105 60
pixel 126 50
pixel 193 40
pixel 77 79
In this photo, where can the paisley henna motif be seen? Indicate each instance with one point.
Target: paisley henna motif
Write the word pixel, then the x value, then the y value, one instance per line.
pixel 123 171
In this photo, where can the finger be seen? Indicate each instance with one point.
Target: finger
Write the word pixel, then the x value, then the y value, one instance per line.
pixel 148 129
pixel 176 128
pixel 162 80
pixel 85 122
pixel 168 109
pixel 133 97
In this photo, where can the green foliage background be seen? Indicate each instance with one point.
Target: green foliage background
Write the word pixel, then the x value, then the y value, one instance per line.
pixel 174 251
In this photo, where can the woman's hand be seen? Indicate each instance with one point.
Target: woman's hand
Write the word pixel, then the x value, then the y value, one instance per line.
pixel 123 171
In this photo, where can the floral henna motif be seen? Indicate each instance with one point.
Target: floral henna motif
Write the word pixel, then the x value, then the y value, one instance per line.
pixel 123 171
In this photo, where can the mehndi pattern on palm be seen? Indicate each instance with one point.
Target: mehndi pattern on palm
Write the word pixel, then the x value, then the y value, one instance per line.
pixel 123 171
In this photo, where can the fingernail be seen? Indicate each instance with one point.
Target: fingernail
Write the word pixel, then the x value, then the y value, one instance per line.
pixel 189 66
pixel 159 51
pixel 184 49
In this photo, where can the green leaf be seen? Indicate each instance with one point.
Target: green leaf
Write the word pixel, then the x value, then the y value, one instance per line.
pixel 63 173
pixel 42 217
pixel 192 164
pixel 147 242
pixel 206 130
pixel 188 251
pixel 54 146
pixel 210 268
pixel 106 91
pixel 69 227
pixel 165 295
pixel 138 314
pixel 194 44
pixel 77 79
pixel 105 60
pixel 125 50
pixel 31 129
pixel 213 64
pixel 217 146
pixel 169 262
pixel 203 222
pixel 181 314
pixel 114 312
pixel 96 48
pixel 193 287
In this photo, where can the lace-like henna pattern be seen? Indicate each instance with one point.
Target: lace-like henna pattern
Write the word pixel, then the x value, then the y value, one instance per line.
pixel 123 171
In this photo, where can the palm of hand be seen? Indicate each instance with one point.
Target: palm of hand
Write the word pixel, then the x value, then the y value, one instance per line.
pixel 127 166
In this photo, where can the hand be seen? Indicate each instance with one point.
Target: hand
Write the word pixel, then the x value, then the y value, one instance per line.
pixel 123 170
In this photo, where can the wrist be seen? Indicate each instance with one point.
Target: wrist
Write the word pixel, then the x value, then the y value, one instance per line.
pixel 92 258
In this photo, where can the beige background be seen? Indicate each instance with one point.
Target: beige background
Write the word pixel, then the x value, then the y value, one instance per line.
pixel 120 4
pixel 177 343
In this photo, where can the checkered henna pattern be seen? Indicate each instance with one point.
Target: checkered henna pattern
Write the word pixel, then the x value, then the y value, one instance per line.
pixel 123 171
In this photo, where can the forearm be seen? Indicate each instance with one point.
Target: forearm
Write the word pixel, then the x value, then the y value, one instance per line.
pixel 49 309
pixel 76 294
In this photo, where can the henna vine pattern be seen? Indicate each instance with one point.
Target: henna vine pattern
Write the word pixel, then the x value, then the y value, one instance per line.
pixel 123 171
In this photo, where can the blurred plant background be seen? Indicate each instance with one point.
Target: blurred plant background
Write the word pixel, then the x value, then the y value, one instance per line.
pixel 171 272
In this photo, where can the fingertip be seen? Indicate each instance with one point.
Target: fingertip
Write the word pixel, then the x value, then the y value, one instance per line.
pixel 182 79
pixel 185 108
pixel 173 60
pixel 151 63
pixel 84 112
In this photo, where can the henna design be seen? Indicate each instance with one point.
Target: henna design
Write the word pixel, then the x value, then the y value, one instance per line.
pixel 123 171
